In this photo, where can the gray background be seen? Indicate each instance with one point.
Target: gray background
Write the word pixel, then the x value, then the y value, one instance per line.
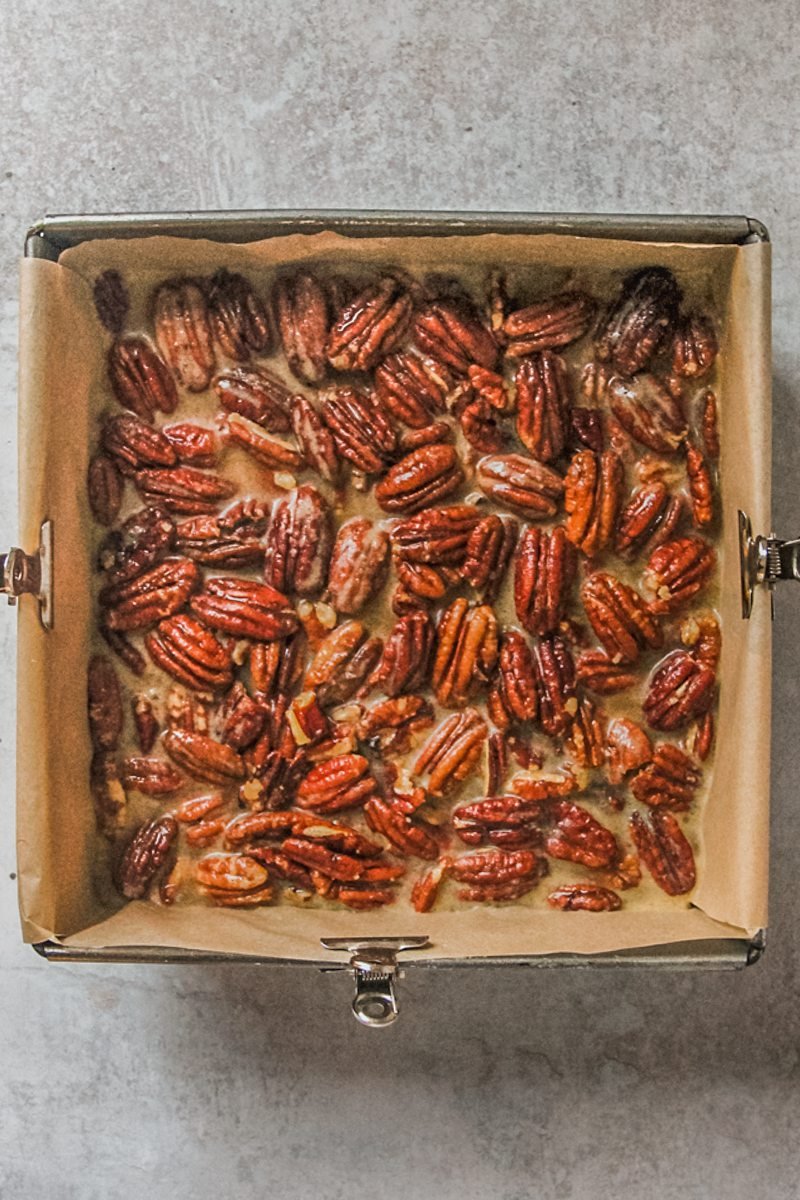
pixel 123 1082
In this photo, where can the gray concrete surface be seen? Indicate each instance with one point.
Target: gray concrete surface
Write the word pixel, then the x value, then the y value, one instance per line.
pixel 125 1082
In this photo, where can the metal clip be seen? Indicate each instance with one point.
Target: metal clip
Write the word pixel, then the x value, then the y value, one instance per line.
pixel 373 962
pixel 24 574
pixel 764 561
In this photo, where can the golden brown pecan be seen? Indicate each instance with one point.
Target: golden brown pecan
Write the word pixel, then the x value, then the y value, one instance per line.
pixel 139 543
pixel 230 872
pixel 336 784
pixel 584 897
pixel 264 447
pixel 492 388
pixel 701 633
pixel 543 405
pixel 647 411
pixel 489 548
pixel 641 320
pixel 452 751
pixel 412 439
pixel 315 439
pixel 139 379
pixel 133 444
pixel 701 488
pixel 426 889
pixel 548 324
pixel 142 601
pixel 190 653
pixel 419 584
pixel 619 617
pixel 664 850
pixel 438 537
pixel 299 543
pixel 204 758
pixel 183 334
pixel 359 565
pixel 192 443
pixel 421 479
pixel 183 489
pixel 709 425
pixel 407 654
pixel 204 833
pixel 515 681
pixel 466 652
pixel 680 689
pixel 108 795
pixel 585 738
pixel 150 776
pixel 301 307
pixel 361 431
pixel 361 897
pixel 244 608
pixel 145 721
pixel 146 854
pixel 238 319
pixel 586 429
pixel 257 395
pixel 649 518
pixel 111 300
pixel 414 838
pixel 105 704
pixel 343 662
pixel 695 347
pixel 627 747
pixel 413 389
pixel 370 326
pixel 509 821
pixel 543 576
pixel 331 834
pixel 452 333
pixel 105 485
pixel 578 837
pixel 520 483
pixel 555 679
pixel 700 738
pixel 392 725
pixel 592 494
pixel 231 539
pixel 669 781
pixel 599 673
pixel 678 570
pixel 497 875
pixel 319 857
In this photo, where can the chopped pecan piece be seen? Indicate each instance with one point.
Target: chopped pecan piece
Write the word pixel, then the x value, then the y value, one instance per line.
pixel 592 494
pixel 701 488
pixel 549 324
pixel 265 448
pixel 709 425
pixel 426 889
pixel 681 688
pixel 619 617
pixel 664 850
pixel 232 539
pixel 676 571
pixel 139 379
pixel 700 737
pixel 146 723
pixel 421 479
pixel 105 704
pixel 695 347
pixel 412 388
pixel 452 751
pixel 301 307
pixel 182 333
pixel 701 633
pixel 139 543
pixel 257 395
pixel 238 319
pixel 124 650
pixel 497 875
pixel 627 747
pixel 543 405
pixel 478 421
pixel 147 852
pixel 543 576
pixel 361 431
pixel 452 333
pixel 336 784
pixel 359 564
pixel 243 718
pixel 492 388
pixel 555 679
pixel 190 653
pixel 466 652
pixel 521 483
pixel 192 443
pixel 150 776
pixel 409 836
pixel 105 485
pixel 599 673
pixel 438 536
pixel 648 412
pixel 489 548
pixel 669 781
pixel 406 656
pixel 586 736
pixel 370 326
pixel 299 543
pixel 315 439
pixel 584 897
pixel 586 429
pixel 649 518
pixel 515 681
pixel 111 300
pixel 133 444
pixel 183 489
pixel 204 758
pixel 580 838
pixel 142 601
pixel 641 320
pixel 108 795
pixel 244 608
pixel 343 662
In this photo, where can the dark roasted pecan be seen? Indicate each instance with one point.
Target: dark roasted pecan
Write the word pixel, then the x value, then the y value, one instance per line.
pixel 105 486
pixel 619 617
pixel 264 447
pixel 413 389
pixel 438 537
pixel 599 673
pixel 701 633
pixel 543 576
pixel 669 781
pixel 146 854
pixel 245 609
pixel 452 333
pixel 709 425
pixel 343 662
pixel 231 539
pixel 276 667
pixel 543 405
pixel 299 542
pixel 359 564
pixel 105 704
pixel 336 784
pixel 585 738
pixel 301 307
pixel 648 412
pixel 412 837
pixel 592 494
pixel 407 654
pixel 139 379
pixel 466 652
pixel 548 324
pixel 584 897
pixel 142 601
pixel 204 758
pixel 680 689
pixel 649 518
pixel 452 751
pixel 665 852
pixel 133 444
pixel 515 681
pixel 183 489
pixel 315 439
pixel 489 549
pixel 238 319
pixel 420 480
pixel 370 326
pixel 257 395
pixel 586 429
pixel 111 300
pixel 521 483
pixel 183 334
pixel 391 725
pixel 701 488
pixel 580 838
pixel 555 679
pixel 361 431
pixel 695 347
pixel 190 653
pixel 133 659
pixel 243 718
pixel 139 543
pixel 150 776
pixel 641 320
pixel 145 722
pixel 497 875
pixel 678 570
pixel 627 747
pixel 196 444
pixel 412 439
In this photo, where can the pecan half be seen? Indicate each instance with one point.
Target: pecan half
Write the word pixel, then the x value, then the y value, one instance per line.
pixel 190 653
pixel 392 725
pixel 649 518
pixel 648 412
pixel 555 680
pixel 264 447
pixel 548 324
pixel 105 704
pixel 183 489
pixel 124 650
pixel 452 752
pixel 492 388
pixel 695 348
pixel 426 889
pixel 139 543
pixel 515 682
pixel 619 617
pixel 145 721
pixel 243 718
pixel 105 485
pixel 359 565
pixel 701 633
pixel 543 405
pixel 413 389
pixel 315 439
pixel 497 875
pixel 421 479
pixel 584 897
pixel 142 601
pixel 586 736
pixel 592 494
pixel 543 576
pixel 230 872
pixel 419 585
pixel 301 307
pixel 669 781
pixel 150 776
pixel 134 444
pixel 257 395
pixel 231 539
pixel 409 836
pixel 578 837
pixel 343 662
pixel 509 821
pixel 276 667
pixel 466 652
pixel 407 654
pixel 709 425
pixel 678 570
pixel 701 488
pixel 299 543
pixel 478 421
pixel 237 317
pixel 370 326
pixel 192 443
pixel 361 431
pixel 520 483
pixel 244 608
pixel 627 747
pixel 336 784
pixel 438 537
pixel 139 379
pixel 489 548
pixel 183 334
pixel 680 689
pixel 641 320
pixel 599 673
pixel 204 758
pixel 452 333
pixel 146 854
pixel 664 850
pixel 111 300
pixel 586 429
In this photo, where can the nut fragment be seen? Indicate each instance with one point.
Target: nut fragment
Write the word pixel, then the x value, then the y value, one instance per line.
pixel 709 425
pixel 700 487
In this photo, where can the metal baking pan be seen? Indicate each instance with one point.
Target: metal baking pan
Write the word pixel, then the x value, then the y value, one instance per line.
pixel 764 560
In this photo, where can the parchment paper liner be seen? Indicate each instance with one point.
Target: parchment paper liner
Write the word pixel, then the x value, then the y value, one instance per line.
pixel 62 368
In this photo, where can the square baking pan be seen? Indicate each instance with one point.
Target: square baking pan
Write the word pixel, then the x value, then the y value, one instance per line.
pixel 761 560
